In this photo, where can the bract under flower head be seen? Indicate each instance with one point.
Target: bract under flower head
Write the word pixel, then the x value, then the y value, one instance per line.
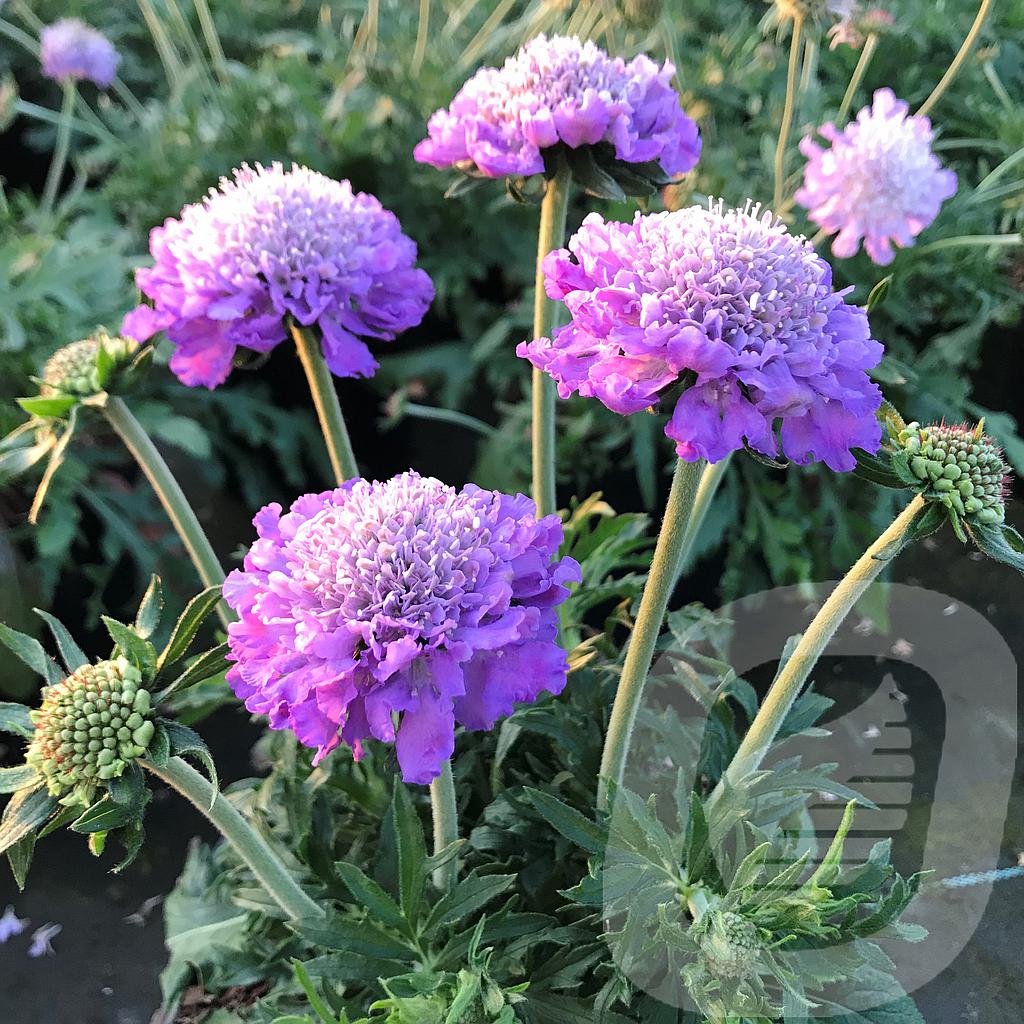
pixel 273 244
pixel 878 181
pixel 562 90
pixel 70 49
pixel 406 598
pixel 732 307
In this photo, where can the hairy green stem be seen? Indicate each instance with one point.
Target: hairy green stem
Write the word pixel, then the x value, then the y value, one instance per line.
pixel 328 408
pixel 790 680
pixel 550 236
pixel 868 51
pixel 171 496
pixel 967 241
pixel 710 479
pixel 657 591
pixel 209 29
pixel 60 151
pixel 958 61
pixel 445 813
pixel 422 30
pixel 787 112
pixel 265 864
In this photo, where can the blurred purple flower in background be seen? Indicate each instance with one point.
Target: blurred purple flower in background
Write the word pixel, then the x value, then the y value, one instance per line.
pixel 878 181
pixel 71 49
pixel 562 90
pixel 404 597
pixel 11 925
pixel 270 245
pixel 732 307
pixel 41 944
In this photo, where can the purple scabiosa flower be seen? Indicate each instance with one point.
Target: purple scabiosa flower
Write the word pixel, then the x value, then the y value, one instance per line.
pixel 270 245
pixel 732 307
pixel 403 598
pixel 70 49
pixel 11 925
pixel 562 90
pixel 878 181
pixel 42 940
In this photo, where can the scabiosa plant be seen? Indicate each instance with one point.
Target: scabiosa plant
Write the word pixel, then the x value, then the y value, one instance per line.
pixel 273 245
pixel 729 306
pixel 70 49
pixel 878 181
pixel 404 598
pixel 561 92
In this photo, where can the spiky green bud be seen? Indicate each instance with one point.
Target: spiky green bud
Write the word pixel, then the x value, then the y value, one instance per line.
pixel 71 370
pixel 959 466
pixel 730 945
pixel 89 727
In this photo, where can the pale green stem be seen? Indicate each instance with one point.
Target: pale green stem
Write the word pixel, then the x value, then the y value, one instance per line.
pixel 550 236
pixel 657 591
pixel 445 813
pixel 787 111
pixel 967 241
pixel 328 408
pixel 422 29
pixel 458 419
pixel 164 47
pixel 819 236
pixel 794 674
pixel 171 496
pixel 710 479
pixel 60 151
pixel 264 863
pixel 53 117
pixel 209 29
pixel 868 51
pixel 127 97
pixel 958 61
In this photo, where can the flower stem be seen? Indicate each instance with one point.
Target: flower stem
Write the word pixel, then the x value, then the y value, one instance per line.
pixel 248 843
pixel 868 51
pixel 422 29
pixel 209 29
pixel 60 151
pixel 171 496
pixel 958 61
pixel 550 236
pixel 445 812
pixel 967 241
pixel 787 111
pixel 710 479
pixel 657 591
pixel 325 398
pixel 790 681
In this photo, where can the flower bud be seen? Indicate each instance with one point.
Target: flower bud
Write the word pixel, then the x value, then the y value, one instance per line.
pixel 71 370
pixel 89 727
pixel 959 466
pixel 730 945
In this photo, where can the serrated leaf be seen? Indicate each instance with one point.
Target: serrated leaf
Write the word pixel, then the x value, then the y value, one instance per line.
pixel 363 937
pixel 31 652
pixel 19 856
pixel 13 779
pixel 103 816
pixel 412 852
pixel 576 827
pixel 14 719
pixel 998 542
pixel 205 666
pixel 159 750
pixel 72 655
pixel 130 789
pixel 367 893
pixel 876 470
pixel 188 625
pixel 469 895
pixel 147 618
pixel 353 968
pixel 186 742
pixel 25 812
pixel 139 652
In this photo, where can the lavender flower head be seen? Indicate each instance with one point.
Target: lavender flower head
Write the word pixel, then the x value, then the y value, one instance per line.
pixel 270 245
pixel 878 181
pixel 70 49
pixel 732 307
pixel 405 597
pixel 561 90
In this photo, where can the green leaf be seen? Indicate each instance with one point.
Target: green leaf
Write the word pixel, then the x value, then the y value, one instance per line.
pixel 31 653
pixel 147 618
pixel 831 864
pixel 141 653
pixel 205 666
pixel 159 750
pixel 461 185
pixel 103 816
pixel 130 789
pixel 591 177
pixel 14 719
pixel 19 856
pixel 186 742
pixel 25 812
pixel 13 779
pixel 367 893
pixel 876 470
pixel 70 652
pixel 412 852
pixel 353 968
pixel 875 299
pixel 468 896
pixel 998 541
pixel 576 827
pixel 188 625
pixel 56 407
pixel 363 937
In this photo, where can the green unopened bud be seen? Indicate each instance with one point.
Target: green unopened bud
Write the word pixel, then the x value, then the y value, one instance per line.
pixel 71 753
pixel 71 370
pixel 730 945
pixel 960 466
